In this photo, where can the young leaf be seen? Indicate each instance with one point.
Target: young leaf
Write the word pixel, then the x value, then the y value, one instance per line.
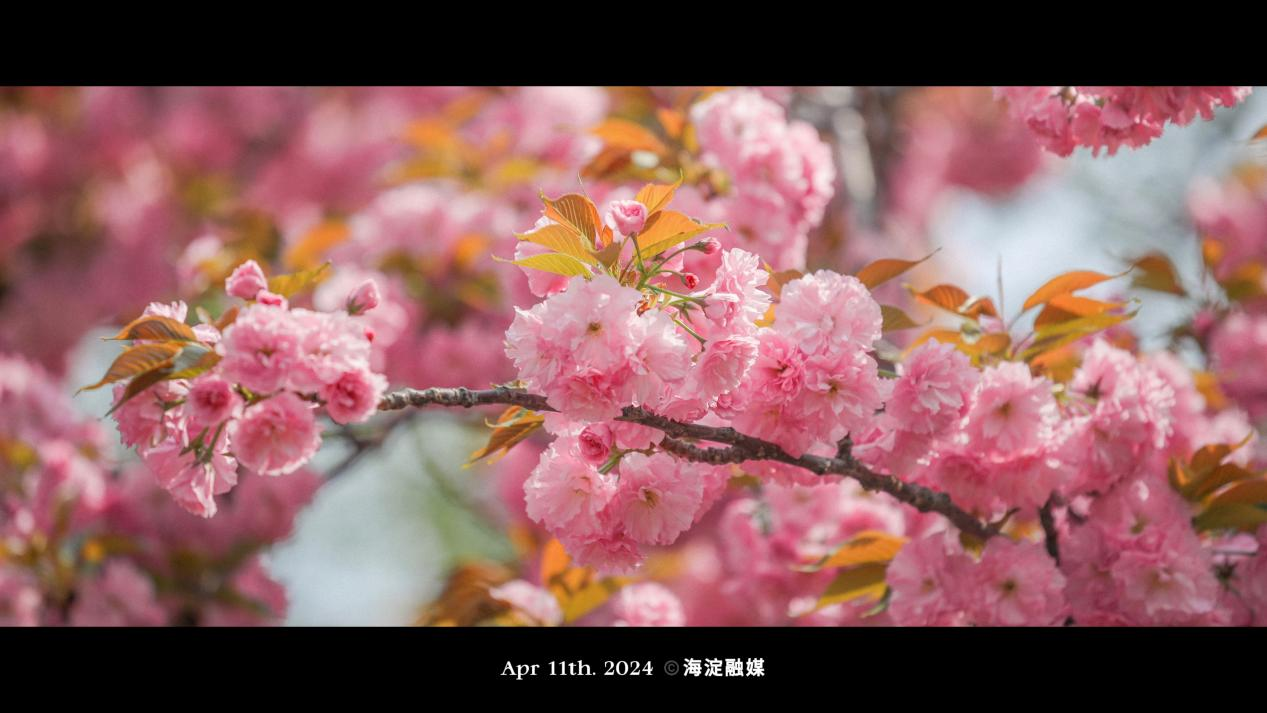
pixel 866 547
pixel 296 282
pixel 657 197
pixel 947 297
pixel 1063 308
pixel 562 240
pixel 591 596
pixel 881 271
pixel 629 136
pixel 667 229
pixel 1065 284
pixel 862 581
pixel 673 121
pixel 193 360
pixel 155 328
pixel 307 252
pixel 1247 492
pixel 554 560
pixel 137 385
pixel 1204 484
pixel 1231 516
pixel 895 319
pixel 576 212
pixel 138 359
pixel 514 425
pixel 1157 273
pixel 556 263
pixel 1057 335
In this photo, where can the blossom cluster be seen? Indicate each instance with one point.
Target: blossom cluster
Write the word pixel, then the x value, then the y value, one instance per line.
pixel 1063 118
pixel 84 545
pixel 257 406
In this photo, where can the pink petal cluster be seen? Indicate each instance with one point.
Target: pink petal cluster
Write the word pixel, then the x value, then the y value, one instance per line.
pixel 591 353
pixel 781 172
pixel 936 583
pixel 647 604
pixel 258 405
pixel 1063 118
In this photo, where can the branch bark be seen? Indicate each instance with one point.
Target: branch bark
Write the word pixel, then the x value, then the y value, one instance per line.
pixel 738 447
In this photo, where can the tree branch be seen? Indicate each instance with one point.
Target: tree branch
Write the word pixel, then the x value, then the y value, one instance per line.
pixel 740 447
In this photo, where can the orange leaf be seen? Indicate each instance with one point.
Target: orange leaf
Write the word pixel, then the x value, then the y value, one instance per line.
pixel 856 582
pixel 656 197
pixel 138 359
pixel 1063 308
pixel 1248 492
pixel 1066 283
pixel 881 271
pixel 554 560
pixel 866 547
pixel 308 251
pixel 514 425
pixel 574 211
pixel 947 297
pixel 628 135
pixel 667 229
pixel 672 120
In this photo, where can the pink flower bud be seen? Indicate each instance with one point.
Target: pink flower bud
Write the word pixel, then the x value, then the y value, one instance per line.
pixel 690 279
pixel 710 246
pixel 363 298
pixel 627 217
pixel 271 299
pixel 596 443
pixel 246 281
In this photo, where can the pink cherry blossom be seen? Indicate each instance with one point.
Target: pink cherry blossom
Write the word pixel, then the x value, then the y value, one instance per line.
pixel 276 436
pixel 655 500
pixel 647 604
pixel 354 396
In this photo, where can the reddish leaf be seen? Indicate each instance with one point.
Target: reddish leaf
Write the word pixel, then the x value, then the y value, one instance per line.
pixel 138 359
pixel 1065 284
pixel 881 271
pixel 158 329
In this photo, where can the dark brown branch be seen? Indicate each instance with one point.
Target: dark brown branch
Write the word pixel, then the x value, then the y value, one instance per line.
pixel 740 447
pixel 1048 522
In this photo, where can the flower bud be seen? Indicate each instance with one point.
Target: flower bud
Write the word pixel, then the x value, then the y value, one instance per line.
pixel 709 246
pixel 246 281
pixel 627 217
pixel 363 298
